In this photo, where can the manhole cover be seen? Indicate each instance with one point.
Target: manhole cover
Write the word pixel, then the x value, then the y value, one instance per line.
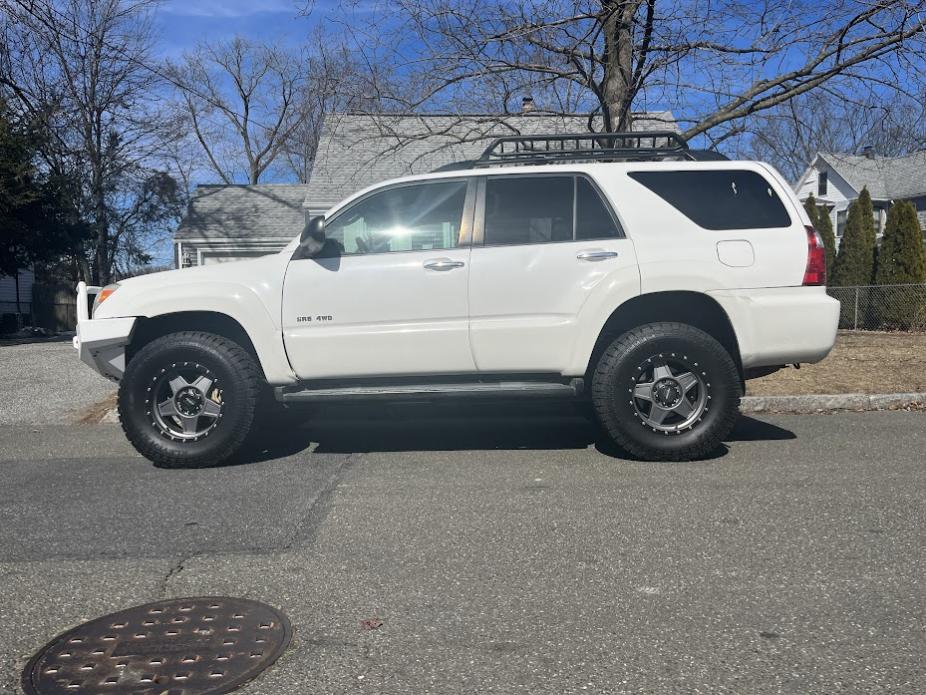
pixel 177 647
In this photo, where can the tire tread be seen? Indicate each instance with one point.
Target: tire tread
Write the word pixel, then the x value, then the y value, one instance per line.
pixel 603 396
pixel 241 363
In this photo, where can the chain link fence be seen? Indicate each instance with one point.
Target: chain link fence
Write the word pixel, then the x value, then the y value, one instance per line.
pixel 881 307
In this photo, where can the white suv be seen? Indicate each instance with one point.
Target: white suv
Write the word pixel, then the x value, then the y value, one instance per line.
pixel 624 267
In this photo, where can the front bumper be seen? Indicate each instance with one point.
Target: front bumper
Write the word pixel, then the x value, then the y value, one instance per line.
pixel 101 343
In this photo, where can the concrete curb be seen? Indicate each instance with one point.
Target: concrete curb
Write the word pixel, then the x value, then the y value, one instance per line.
pixel 814 404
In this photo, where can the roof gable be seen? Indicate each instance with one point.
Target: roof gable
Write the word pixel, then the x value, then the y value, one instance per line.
pixel 887 178
pixel 273 211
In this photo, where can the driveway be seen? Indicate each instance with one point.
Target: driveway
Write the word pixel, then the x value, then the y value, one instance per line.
pixel 44 383
pixel 502 553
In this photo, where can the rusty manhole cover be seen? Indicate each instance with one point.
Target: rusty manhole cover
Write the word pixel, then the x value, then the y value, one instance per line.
pixel 178 647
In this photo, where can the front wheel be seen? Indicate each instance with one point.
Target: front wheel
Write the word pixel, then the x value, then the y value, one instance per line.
pixel 666 392
pixel 188 399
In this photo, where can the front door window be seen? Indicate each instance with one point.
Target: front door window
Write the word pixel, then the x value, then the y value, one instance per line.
pixel 406 218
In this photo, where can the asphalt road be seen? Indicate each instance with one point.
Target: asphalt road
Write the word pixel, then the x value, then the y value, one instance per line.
pixel 502 554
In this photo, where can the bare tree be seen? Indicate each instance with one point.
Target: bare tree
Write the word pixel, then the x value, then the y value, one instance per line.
pixel 716 63
pixel 80 70
pixel 789 135
pixel 334 83
pixel 241 100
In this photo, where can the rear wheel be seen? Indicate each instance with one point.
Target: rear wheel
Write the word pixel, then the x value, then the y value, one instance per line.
pixel 188 399
pixel 666 391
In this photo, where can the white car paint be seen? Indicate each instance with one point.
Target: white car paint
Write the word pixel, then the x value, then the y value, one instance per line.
pixel 388 315
pixel 526 301
pixel 247 291
pixel 508 308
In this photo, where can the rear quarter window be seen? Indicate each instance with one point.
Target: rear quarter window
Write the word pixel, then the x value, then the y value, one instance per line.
pixel 718 199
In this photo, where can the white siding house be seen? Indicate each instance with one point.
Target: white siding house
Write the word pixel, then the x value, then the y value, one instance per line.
pixel 12 314
pixel 836 180
pixel 8 292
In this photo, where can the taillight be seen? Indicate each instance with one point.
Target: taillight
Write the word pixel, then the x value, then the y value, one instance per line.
pixel 815 273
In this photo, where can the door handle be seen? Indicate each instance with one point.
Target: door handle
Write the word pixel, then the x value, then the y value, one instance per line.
pixel 596 255
pixel 443 264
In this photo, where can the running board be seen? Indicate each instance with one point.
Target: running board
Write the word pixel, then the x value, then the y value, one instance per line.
pixel 497 389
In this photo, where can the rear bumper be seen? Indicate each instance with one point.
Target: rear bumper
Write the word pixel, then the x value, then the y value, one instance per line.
pixel 101 343
pixel 783 325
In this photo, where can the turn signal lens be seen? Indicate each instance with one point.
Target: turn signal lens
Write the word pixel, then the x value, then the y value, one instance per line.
pixel 103 295
pixel 815 272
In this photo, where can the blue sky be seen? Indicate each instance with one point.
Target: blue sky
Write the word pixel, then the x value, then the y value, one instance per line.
pixel 181 24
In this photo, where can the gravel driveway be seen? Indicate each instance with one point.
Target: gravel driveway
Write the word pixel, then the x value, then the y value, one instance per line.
pixel 45 383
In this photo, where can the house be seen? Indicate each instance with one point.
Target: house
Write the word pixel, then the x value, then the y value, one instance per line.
pixel 230 223
pixel 13 304
pixel 225 223
pixel 836 180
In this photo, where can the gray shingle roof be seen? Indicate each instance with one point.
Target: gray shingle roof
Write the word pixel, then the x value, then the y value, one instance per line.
pixel 356 151
pixel 244 212
pixel 887 178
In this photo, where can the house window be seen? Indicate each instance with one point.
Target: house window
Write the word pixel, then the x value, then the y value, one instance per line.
pixel 841 218
pixel 822 181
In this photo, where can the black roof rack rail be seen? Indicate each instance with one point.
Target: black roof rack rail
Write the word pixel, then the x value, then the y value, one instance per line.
pixel 612 147
pixel 455 166
pixel 708 156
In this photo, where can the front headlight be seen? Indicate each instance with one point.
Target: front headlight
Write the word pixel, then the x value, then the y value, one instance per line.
pixel 103 295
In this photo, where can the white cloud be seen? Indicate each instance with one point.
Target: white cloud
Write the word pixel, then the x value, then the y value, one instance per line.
pixel 230 8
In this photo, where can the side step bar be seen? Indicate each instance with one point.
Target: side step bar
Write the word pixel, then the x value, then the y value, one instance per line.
pixel 482 389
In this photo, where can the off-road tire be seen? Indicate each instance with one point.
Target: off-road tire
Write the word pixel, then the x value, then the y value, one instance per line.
pixel 613 378
pixel 231 365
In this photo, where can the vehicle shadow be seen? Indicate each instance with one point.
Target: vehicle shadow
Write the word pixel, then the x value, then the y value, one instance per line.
pixel 346 429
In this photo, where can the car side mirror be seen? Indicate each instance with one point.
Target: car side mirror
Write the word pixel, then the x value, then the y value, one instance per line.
pixel 312 240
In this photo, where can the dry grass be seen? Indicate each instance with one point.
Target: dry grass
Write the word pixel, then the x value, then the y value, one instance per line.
pixel 861 362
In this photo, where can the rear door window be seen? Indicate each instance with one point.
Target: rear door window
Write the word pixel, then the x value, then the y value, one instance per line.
pixel 543 209
pixel 593 221
pixel 528 209
pixel 719 199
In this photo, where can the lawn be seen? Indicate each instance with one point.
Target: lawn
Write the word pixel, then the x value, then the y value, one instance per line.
pixel 861 362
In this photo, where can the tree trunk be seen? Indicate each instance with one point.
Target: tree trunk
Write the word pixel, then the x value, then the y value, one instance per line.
pixel 83 268
pixel 101 265
pixel 617 84
pixel 19 313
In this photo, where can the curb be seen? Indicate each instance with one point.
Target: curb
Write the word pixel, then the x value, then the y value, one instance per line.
pixel 814 404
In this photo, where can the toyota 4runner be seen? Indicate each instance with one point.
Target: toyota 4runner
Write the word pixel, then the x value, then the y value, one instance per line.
pixel 626 268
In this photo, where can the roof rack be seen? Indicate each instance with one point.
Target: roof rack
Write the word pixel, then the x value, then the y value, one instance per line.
pixel 611 147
